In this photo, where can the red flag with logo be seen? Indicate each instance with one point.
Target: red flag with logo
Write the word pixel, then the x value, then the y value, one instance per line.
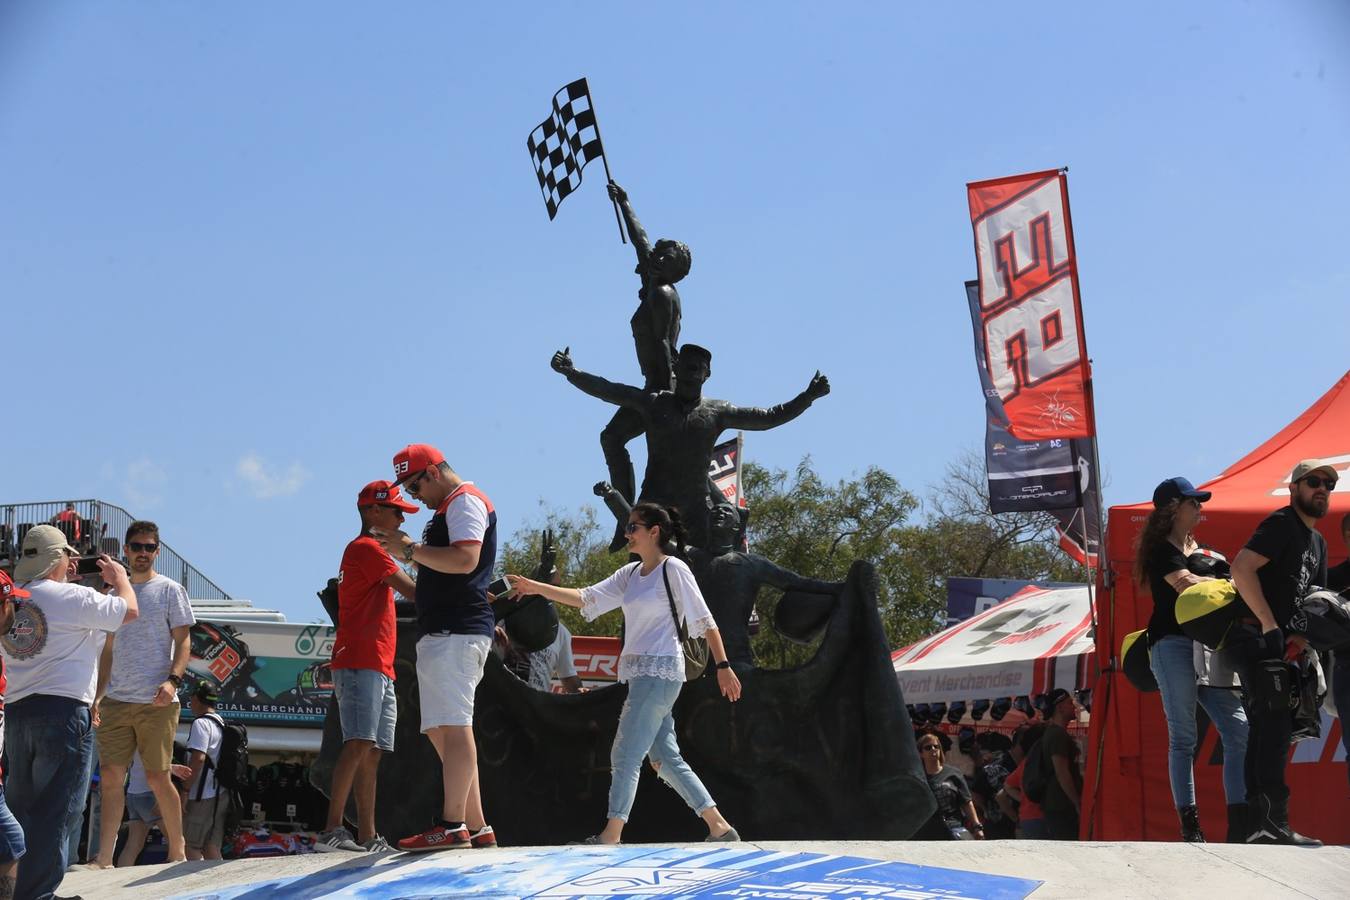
pixel 1029 306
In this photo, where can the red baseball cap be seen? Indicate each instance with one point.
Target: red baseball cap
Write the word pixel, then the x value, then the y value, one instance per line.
pixel 8 589
pixel 383 493
pixel 413 459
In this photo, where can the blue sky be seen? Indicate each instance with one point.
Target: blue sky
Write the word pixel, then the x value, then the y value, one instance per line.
pixel 249 251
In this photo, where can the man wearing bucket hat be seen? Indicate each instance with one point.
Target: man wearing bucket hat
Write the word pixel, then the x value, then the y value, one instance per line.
pixel 51 659
pixel 363 667
pixel 455 625
pixel 11 835
pixel 1279 564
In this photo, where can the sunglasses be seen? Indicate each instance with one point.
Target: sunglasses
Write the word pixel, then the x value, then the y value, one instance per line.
pixel 1316 481
pixel 138 547
pixel 413 486
pixel 926 747
pixel 634 526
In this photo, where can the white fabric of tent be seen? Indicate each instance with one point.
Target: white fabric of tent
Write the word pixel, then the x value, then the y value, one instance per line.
pixel 1033 642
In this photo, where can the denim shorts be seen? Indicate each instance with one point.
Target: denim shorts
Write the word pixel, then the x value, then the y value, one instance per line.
pixel 11 835
pixel 367 706
pixel 141 807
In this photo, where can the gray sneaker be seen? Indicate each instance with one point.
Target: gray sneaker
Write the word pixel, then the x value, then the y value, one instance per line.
pixel 377 844
pixel 728 835
pixel 337 839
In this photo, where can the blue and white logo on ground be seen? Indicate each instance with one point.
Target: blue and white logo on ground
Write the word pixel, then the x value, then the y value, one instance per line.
pixel 582 873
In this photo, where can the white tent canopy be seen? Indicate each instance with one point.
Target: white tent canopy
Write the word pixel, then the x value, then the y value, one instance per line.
pixel 1033 642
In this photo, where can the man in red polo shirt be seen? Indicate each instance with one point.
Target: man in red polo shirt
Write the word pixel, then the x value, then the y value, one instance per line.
pixel 363 667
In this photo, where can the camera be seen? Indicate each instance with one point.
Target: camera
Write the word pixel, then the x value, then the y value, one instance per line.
pixel 87 565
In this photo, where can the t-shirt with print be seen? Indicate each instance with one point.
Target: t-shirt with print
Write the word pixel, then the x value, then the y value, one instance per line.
pixel 555 659
pixel 1298 560
pixel 1338 577
pixel 952 794
pixel 206 736
pixel 367 631
pixel 143 649
pixel 57 638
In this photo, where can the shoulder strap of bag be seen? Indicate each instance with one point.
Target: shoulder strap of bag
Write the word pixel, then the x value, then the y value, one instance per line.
pixel 680 629
pixel 208 765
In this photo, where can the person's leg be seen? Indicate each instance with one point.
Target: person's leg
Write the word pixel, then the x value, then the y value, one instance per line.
pixel 349 762
pixel 622 428
pixel 49 744
pixel 196 827
pixel 1340 692
pixel 674 771
pixel 219 812
pixel 459 765
pixel 155 728
pixel 366 773
pixel 1224 708
pixel 358 718
pixel 649 701
pixel 171 814
pixel 112 793
pixel 1172 662
pixel 12 848
pixel 137 832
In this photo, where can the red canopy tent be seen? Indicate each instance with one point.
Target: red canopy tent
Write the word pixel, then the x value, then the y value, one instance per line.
pixel 1127 796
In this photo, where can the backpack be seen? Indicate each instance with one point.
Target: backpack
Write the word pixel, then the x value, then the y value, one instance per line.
pixel 231 769
pixel 1036 773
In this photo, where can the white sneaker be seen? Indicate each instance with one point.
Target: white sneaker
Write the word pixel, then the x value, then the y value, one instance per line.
pixel 337 839
pixel 377 844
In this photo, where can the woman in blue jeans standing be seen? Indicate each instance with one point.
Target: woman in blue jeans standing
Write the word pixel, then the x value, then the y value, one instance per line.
pixel 1168 560
pixel 652 662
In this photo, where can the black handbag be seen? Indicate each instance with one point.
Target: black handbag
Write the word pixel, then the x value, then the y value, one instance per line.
pixel 696 653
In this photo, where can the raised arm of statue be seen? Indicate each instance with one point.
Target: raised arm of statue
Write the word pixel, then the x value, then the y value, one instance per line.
pixel 753 418
pixel 772 574
pixel 597 387
pixel 636 234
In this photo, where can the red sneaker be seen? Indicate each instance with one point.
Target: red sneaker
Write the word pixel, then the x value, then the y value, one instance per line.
pixel 436 837
pixel 483 837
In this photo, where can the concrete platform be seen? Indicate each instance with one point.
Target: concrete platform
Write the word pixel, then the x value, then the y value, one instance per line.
pixel 1065 870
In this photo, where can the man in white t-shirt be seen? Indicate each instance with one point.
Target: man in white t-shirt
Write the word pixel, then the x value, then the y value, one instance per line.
pixel 204 809
pixel 137 701
pixel 51 662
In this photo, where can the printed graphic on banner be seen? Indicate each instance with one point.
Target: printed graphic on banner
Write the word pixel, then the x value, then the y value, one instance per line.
pixel 596 659
pixel 265 672
pixel 968 597
pixel 725 470
pixel 1030 317
pixel 633 871
pixel 1053 474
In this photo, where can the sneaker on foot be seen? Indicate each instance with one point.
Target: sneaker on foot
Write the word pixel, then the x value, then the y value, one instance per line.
pixel 728 835
pixel 377 844
pixel 437 837
pixel 337 839
pixel 595 839
pixel 483 837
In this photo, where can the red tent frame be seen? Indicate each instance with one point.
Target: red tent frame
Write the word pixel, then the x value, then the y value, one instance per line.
pixel 1127 795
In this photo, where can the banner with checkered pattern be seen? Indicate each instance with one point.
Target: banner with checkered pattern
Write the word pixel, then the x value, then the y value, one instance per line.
pixel 564 143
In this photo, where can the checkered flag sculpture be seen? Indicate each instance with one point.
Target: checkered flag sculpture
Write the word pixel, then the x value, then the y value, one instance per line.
pixel 564 143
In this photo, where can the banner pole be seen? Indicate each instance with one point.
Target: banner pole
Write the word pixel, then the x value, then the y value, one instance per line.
pixel 604 158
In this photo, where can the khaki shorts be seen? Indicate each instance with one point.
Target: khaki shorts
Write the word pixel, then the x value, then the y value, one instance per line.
pixel 130 728
pixel 204 821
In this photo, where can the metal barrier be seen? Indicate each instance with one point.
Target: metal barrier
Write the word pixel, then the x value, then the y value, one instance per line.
pixel 93 526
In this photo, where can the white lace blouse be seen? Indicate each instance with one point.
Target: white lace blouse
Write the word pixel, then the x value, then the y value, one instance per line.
pixel 651 644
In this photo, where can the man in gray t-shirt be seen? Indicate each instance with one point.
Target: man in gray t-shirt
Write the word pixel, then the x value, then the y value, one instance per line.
pixel 136 708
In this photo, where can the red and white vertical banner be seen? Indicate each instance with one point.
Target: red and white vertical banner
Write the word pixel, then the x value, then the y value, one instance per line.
pixel 724 468
pixel 1029 308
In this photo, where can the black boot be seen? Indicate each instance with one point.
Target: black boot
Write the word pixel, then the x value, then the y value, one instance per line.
pixel 1190 825
pixel 1271 824
pixel 1239 823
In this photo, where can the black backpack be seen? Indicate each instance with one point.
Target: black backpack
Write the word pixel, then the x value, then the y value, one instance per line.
pixel 1036 773
pixel 231 769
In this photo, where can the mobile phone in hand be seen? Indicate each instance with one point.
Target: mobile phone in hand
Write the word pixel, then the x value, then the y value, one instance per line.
pixel 501 589
pixel 87 565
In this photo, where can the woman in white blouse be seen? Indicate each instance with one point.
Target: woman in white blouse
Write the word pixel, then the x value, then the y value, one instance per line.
pixel 652 663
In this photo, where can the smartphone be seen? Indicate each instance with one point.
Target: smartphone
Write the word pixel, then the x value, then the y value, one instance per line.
pixel 87 565
pixel 501 589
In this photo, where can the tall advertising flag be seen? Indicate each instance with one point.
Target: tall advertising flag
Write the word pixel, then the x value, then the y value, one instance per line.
pixel 1030 317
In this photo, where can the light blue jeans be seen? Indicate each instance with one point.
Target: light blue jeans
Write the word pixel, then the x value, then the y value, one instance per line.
pixel 1173 664
pixel 647 728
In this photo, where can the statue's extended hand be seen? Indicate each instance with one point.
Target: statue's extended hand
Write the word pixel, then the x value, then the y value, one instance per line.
pixel 819 386
pixel 562 361
pixel 548 553
pixel 616 193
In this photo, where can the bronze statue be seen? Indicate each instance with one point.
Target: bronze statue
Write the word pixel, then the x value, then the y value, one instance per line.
pixel 683 426
pixel 656 333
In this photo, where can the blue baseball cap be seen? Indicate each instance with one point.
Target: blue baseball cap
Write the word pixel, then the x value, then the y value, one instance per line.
pixel 1176 489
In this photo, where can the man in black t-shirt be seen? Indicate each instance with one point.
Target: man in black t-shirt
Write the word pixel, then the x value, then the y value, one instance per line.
pixel 1064 788
pixel 1284 558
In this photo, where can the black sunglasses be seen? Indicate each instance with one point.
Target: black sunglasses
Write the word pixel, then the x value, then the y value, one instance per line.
pixel 926 747
pixel 634 526
pixel 412 486
pixel 138 547
pixel 1316 481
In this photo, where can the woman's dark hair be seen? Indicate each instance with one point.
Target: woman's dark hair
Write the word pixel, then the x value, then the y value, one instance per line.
pixel 1156 528
pixel 667 518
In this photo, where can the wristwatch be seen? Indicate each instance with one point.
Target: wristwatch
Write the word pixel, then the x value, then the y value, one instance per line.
pixel 409 550
pixel 176 680
pixel 724 664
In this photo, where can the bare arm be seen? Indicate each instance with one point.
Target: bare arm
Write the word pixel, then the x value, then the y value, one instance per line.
pixel 115 575
pixel 771 573
pixel 636 234
pixel 459 559
pixel 973 819
pixel 1064 774
pixel 599 388
pixel 196 762
pixel 564 595
pixel 1245 579
pixel 1004 799
pixel 1182 579
pixel 104 668
pixel 752 418
pixel 571 684
pixel 182 651
pixel 727 680
pixel 403 583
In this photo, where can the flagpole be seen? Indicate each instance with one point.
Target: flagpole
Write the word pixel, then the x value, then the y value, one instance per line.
pixel 604 158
